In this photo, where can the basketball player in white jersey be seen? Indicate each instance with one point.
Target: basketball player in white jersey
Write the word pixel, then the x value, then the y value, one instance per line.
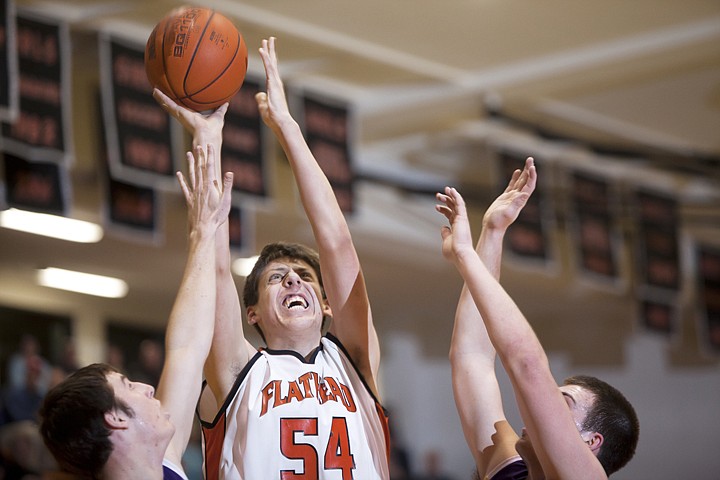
pixel 307 405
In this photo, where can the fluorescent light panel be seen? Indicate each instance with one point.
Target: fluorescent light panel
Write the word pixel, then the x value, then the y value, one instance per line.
pixel 51 226
pixel 243 266
pixel 79 282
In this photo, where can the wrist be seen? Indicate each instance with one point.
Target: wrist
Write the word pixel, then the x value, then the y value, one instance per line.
pixel 491 233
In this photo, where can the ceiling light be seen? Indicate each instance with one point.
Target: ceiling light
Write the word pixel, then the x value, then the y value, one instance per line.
pixel 243 266
pixel 82 282
pixel 51 226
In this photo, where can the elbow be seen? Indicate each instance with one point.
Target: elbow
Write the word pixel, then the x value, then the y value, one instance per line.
pixel 527 363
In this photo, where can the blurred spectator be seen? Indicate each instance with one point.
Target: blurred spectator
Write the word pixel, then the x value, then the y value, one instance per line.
pixel 148 367
pixel 432 467
pixel 68 362
pixel 116 358
pixel 399 461
pixel 23 454
pixel 22 402
pixel 29 347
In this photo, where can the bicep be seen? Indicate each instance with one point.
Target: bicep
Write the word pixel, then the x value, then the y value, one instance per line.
pixel 230 350
pixel 352 317
pixel 178 392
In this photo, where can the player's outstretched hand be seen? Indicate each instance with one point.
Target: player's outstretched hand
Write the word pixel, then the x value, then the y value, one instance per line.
pixel 272 104
pixel 208 202
pixel 205 129
pixel 506 208
pixel 457 237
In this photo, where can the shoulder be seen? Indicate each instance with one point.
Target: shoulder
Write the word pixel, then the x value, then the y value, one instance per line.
pixel 172 471
pixel 514 470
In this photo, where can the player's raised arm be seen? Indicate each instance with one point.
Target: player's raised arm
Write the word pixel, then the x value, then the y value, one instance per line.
pixel 230 350
pixel 190 327
pixel 472 355
pixel 560 449
pixel 340 267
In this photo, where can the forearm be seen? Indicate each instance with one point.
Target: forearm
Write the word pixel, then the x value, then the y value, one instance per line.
pixel 190 326
pixel 510 333
pixel 472 356
pixel 228 342
pixel 489 249
pixel 469 332
pixel 316 193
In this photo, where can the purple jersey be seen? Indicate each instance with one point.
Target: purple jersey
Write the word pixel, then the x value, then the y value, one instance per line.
pixel 514 471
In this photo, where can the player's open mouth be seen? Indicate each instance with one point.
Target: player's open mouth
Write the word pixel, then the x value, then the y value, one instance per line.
pixel 295 302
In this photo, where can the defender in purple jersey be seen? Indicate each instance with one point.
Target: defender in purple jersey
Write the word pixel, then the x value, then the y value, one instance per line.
pixel 99 423
pixel 584 429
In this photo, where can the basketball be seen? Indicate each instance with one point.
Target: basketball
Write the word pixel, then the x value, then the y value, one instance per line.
pixel 197 57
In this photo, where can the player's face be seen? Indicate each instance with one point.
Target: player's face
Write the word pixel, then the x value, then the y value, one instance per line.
pixel 579 401
pixel 290 297
pixel 149 417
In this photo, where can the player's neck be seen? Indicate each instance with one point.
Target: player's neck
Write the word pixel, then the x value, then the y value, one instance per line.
pixel 535 473
pixel 304 345
pixel 131 466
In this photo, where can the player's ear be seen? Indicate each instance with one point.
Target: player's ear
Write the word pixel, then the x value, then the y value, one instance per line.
pixel 327 311
pixel 252 315
pixel 594 440
pixel 116 420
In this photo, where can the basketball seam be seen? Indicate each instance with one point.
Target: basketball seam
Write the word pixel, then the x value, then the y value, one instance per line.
pixel 194 54
pixel 164 58
pixel 227 67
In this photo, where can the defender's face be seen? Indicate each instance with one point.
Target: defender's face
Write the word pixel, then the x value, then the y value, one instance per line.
pixel 289 297
pixel 148 413
pixel 579 401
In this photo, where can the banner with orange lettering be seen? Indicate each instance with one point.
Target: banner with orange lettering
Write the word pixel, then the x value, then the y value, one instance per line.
pixel 36 186
pixel 42 130
pixel 529 237
pixel 593 228
pixel 8 62
pixel 244 149
pixel 144 145
pixel 328 128
pixel 708 288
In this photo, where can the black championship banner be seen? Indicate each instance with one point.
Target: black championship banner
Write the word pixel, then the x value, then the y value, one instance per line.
pixel 592 225
pixel 37 186
pixel 8 63
pixel 243 149
pixel 139 134
pixel 708 285
pixel 42 130
pixel 527 237
pixel 327 129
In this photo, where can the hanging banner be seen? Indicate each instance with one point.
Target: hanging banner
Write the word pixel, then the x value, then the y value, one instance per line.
pixel 42 129
pixel 528 237
pixel 708 287
pixel 8 63
pixel 38 186
pixel 140 136
pixel 658 316
pixel 592 226
pixel 132 208
pixel 657 249
pixel 328 129
pixel 242 231
pixel 243 149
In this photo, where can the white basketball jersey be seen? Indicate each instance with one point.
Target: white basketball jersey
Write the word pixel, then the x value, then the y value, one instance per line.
pixel 288 418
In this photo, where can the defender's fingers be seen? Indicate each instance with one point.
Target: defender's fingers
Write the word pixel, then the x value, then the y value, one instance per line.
pixel 184 187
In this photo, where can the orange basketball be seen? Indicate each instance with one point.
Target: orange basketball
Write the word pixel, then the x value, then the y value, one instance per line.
pixel 197 57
